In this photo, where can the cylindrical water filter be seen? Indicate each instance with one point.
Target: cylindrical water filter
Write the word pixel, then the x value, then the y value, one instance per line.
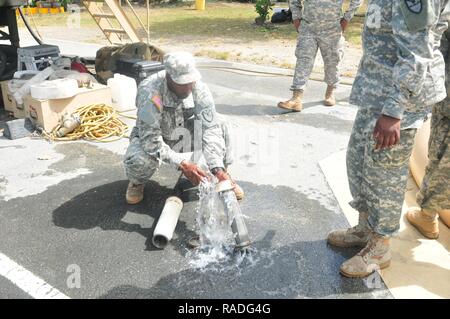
pixel 233 211
pixel 167 222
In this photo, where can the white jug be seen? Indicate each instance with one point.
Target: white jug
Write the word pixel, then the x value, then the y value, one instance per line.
pixel 123 91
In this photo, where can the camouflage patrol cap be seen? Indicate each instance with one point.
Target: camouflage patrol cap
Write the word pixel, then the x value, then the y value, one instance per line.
pixel 181 67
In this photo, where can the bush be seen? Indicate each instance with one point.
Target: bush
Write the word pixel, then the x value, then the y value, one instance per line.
pixel 263 8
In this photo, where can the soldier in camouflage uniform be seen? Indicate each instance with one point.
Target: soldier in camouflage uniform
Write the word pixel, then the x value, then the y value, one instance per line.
pixel 401 75
pixel 176 114
pixel 434 194
pixel 320 24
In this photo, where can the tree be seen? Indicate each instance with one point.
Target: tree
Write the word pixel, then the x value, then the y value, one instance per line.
pixel 263 8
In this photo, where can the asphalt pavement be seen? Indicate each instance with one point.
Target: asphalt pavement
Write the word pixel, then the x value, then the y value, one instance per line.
pixel 62 205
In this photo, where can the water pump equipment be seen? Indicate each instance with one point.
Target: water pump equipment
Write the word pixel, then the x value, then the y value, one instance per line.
pixel 234 214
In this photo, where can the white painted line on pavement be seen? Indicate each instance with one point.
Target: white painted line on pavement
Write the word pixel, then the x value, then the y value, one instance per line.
pixel 27 281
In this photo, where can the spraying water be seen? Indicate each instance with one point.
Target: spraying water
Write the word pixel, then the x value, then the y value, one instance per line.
pixel 211 218
pixel 217 215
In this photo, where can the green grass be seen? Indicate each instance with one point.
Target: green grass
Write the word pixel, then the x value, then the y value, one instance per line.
pixel 226 20
pixel 220 19
pixel 353 32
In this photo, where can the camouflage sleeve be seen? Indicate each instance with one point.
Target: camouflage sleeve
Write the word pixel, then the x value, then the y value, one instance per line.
pixel 414 56
pixel 213 142
pixel 444 18
pixel 354 6
pixel 149 130
pixel 296 7
pixel 445 49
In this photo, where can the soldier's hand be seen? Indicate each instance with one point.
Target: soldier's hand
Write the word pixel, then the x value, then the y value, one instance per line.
pixel 192 172
pixel 297 24
pixel 221 175
pixel 344 24
pixel 386 132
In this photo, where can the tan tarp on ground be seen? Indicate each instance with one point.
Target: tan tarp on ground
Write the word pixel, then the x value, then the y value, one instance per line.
pixel 420 267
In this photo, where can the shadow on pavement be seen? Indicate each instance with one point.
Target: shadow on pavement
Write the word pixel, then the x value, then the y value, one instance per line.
pixel 105 207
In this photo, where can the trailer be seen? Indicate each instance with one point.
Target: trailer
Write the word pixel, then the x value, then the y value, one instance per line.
pixel 8 52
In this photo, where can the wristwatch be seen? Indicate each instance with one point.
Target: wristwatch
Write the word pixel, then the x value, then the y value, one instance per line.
pixel 216 170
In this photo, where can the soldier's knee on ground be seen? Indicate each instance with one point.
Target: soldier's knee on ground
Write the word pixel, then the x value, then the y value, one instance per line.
pixel 139 166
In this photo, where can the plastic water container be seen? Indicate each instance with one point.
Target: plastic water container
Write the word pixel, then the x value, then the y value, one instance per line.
pixel 123 91
pixel 56 89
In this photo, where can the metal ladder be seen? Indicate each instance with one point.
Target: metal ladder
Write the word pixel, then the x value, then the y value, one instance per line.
pixel 113 21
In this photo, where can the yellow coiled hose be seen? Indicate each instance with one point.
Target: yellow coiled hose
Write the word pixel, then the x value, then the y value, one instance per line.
pixel 98 122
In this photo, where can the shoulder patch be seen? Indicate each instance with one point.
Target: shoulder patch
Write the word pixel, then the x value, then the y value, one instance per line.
pixel 156 99
pixel 418 14
pixel 208 115
pixel 415 6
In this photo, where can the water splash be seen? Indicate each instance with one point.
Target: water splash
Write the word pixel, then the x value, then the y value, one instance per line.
pixel 217 243
pixel 211 217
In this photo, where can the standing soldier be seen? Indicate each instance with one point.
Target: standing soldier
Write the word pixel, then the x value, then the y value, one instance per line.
pixel 400 76
pixel 434 194
pixel 320 24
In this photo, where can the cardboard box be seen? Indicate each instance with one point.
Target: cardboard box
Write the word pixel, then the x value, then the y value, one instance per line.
pixel 10 103
pixel 19 112
pixel 48 113
pixel 8 100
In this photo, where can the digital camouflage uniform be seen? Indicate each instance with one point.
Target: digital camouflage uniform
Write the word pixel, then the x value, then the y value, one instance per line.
pixel 165 129
pixel 320 29
pixel 434 192
pixel 401 75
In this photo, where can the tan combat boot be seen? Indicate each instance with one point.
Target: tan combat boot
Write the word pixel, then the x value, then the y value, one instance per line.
pixel 135 193
pixel 330 100
pixel 295 103
pixel 375 256
pixel 357 236
pixel 425 222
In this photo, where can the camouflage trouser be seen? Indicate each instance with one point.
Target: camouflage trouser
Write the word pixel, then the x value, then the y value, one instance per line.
pixel 331 47
pixel 140 167
pixel 434 192
pixel 377 178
